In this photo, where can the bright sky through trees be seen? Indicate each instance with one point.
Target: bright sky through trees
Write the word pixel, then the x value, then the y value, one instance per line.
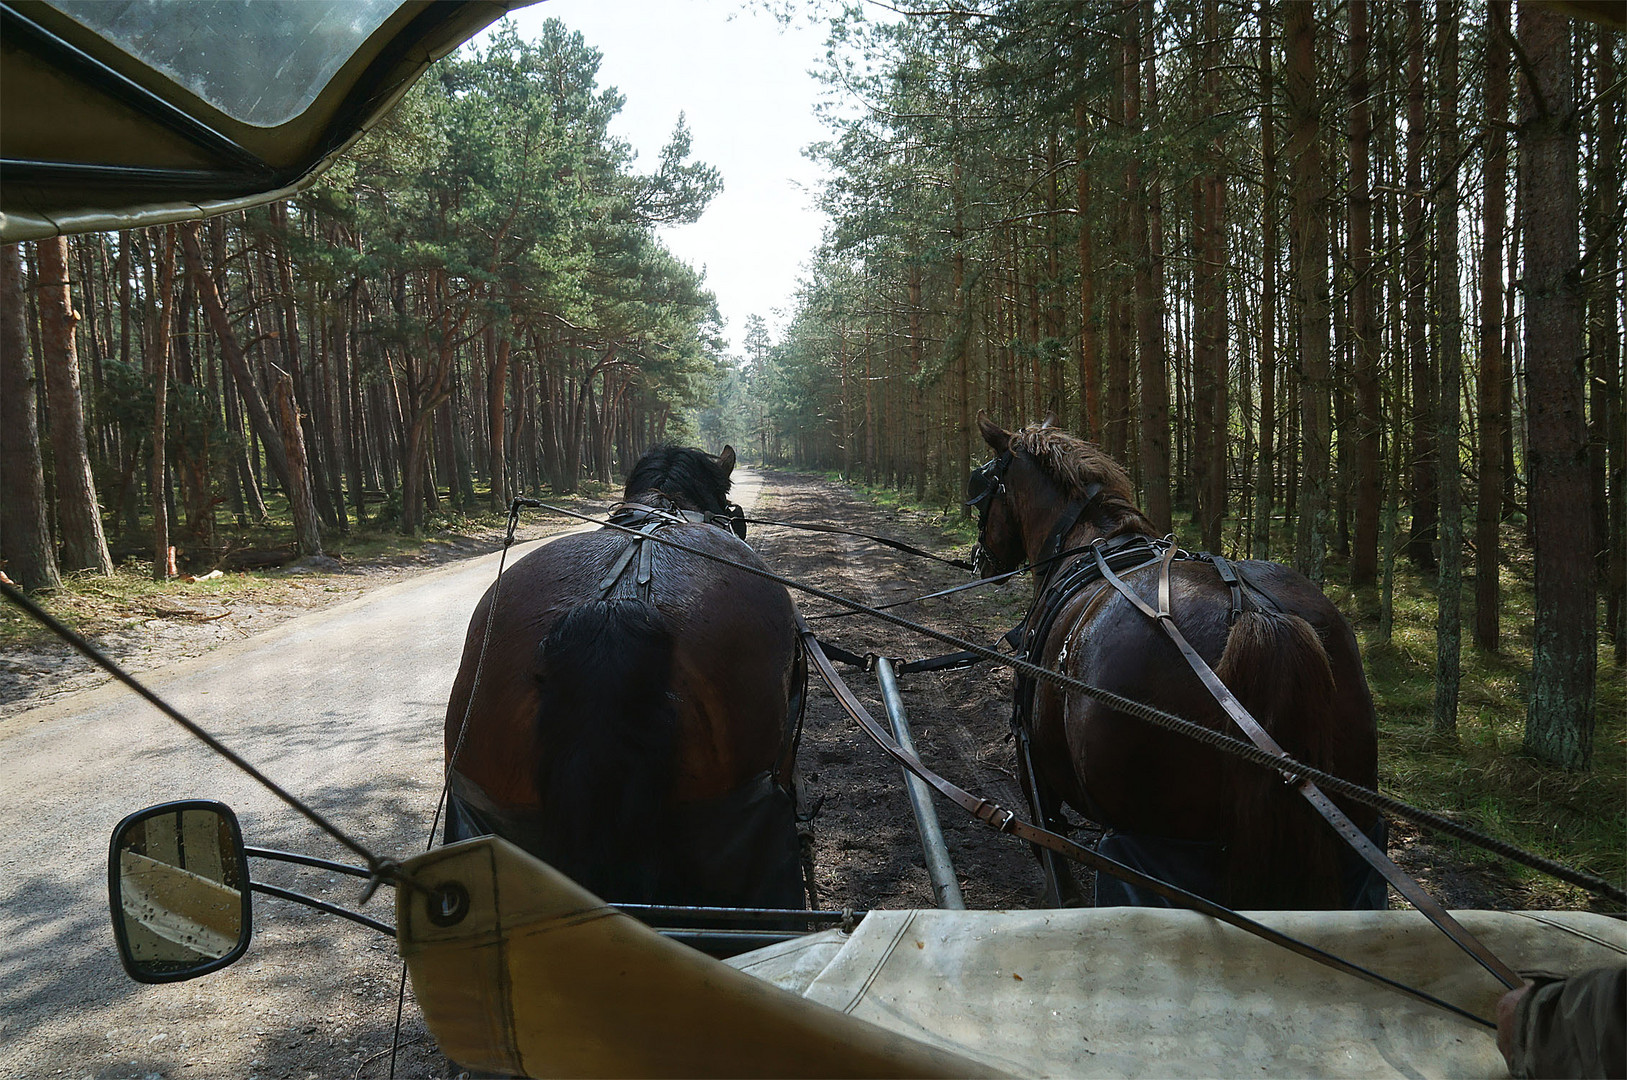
pixel 742 83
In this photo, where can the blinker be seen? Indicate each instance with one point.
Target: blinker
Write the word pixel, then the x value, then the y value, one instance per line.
pixel 985 481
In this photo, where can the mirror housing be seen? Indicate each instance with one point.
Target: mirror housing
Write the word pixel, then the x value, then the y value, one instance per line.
pixel 178 890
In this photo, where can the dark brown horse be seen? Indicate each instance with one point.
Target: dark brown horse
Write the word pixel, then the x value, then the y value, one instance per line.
pixel 1175 809
pixel 635 718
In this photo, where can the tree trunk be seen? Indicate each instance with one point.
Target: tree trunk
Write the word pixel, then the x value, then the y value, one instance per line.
pixel 26 553
pixel 79 519
pixel 1264 484
pixel 307 528
pixel 159 345
pixel 1421 541
pixel 1153 363
pixel 1090 361
pixel 1608 436
pixel 1559 723
pixel 1493 420
pixel 1363 310
pixel 1449 589
pixel 248 391
pixel 1311 281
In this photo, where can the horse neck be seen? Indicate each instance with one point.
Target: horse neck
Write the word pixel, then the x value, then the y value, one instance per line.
pixel 663 500
pixel 1041 518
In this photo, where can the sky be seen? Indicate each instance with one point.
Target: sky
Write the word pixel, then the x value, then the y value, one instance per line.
pixel 741 81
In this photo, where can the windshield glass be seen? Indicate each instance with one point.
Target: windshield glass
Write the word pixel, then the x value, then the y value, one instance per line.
pixel 260 61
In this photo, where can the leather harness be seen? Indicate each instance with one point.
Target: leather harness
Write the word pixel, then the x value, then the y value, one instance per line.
pixel 648 519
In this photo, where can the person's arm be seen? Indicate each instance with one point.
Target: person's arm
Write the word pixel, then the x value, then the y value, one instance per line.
pixel 1574 1027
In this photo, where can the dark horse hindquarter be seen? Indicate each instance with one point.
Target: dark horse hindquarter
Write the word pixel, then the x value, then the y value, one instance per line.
pixel 1141 781
pixel 550 754
pixel 733 667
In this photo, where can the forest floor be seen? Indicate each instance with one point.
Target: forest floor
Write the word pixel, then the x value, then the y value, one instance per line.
pixel 867 852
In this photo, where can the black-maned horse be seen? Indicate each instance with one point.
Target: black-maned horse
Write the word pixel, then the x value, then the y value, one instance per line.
pixel 1175 809
pixel 636 714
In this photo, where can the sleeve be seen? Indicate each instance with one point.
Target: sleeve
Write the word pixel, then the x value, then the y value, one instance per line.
pixel 1574 1027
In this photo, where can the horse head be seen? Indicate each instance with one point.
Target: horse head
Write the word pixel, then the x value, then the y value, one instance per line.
pixel 1044 490
pixel 693 479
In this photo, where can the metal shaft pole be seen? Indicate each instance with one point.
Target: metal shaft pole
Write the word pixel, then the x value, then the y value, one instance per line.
pixel 939 868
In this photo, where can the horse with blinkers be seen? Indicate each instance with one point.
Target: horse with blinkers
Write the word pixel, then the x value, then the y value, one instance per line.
pixel 1175 809
pixel 634 718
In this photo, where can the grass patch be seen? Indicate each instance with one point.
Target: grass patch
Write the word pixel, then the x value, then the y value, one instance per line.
pixel 1484 777
pixel 946 516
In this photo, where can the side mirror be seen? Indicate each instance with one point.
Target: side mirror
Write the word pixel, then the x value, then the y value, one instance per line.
pixel 178 888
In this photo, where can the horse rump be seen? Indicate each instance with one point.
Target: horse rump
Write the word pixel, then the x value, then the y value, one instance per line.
pixel 1282 854
pixel 607 732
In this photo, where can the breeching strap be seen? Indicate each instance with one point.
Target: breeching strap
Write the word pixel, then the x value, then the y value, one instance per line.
pixel 1003 820
pixel 1376 858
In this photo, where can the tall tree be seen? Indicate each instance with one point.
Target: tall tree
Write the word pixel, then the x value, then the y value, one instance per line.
pixel 1421 540
pixel 1141 192
pixel 1363 308
pixel 1559 722
pixel 158 350
pixel 1493 421
pixel 1449 584
pixel 1265 480
pixel 79 518
pixel 1311 293
pixel 25 529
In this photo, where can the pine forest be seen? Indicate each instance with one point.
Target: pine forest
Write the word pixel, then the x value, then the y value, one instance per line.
pixel 1341 285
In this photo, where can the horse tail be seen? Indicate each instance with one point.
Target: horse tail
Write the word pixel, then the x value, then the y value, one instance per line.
pixel 1282 854
pixel 607 738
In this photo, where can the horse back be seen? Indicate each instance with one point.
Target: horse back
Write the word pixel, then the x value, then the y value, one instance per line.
pixel 734 651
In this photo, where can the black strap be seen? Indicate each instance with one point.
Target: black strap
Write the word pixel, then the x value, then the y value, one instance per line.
pixel 1227 574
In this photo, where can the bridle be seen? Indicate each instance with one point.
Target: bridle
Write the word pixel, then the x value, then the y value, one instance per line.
pixel 988 482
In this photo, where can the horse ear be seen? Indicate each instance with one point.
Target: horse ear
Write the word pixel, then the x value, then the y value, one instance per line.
pixel 998 438
pixel 1050 420
pixel 726 459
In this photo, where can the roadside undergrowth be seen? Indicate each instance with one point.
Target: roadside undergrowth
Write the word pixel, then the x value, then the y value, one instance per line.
pixel 93 604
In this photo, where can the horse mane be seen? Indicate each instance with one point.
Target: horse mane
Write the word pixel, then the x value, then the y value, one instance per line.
pixel 692 478
pixel 1074 465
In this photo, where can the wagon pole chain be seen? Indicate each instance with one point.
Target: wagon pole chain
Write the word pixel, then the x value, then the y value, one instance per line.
pixel 1170 722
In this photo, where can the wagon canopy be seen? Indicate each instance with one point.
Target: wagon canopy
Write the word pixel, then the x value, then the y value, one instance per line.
pixel 117 114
